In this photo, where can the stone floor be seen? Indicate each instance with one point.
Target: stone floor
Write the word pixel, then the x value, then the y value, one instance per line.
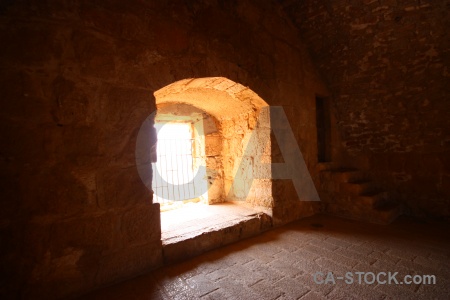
pixel 280 264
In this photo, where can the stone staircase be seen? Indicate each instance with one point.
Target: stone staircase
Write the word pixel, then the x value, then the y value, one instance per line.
pixel 351 193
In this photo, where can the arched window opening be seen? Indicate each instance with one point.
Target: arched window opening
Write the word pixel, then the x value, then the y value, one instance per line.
pixel 221 134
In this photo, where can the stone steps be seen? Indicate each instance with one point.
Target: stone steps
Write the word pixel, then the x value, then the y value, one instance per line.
pixel 373 200
pixel 349 175
pixel 385 215
pixel 358 188
pixel 351 193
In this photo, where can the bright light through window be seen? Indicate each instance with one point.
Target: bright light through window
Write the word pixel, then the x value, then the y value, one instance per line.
pixel 177 164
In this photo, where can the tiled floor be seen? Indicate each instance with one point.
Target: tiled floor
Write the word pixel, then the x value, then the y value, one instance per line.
pixel 280 264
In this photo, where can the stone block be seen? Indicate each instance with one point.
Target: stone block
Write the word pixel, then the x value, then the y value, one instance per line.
pixel 79 146
pixel 128 262
pixel 283 191
pixel 215 190
pixel 55 191
pixel 20 39
pixel 36 235
pixel 356 189
pixel 172 38
pixel 250 228
pixel 141 224
pixel 93 233
pixel 94 55
pixel 213 145
pixel 229 235
pixel 126 108
pixel 24 99
pixel 22 144
pixel 350 176
pixel 121 188
pixel 11 199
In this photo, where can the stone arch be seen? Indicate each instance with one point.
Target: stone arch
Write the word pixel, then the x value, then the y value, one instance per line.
pixel 229 96
pixel 235 109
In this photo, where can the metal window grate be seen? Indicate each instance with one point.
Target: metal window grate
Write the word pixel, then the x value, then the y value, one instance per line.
pixel 173 172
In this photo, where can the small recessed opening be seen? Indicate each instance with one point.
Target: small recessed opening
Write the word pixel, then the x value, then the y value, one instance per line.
pixel 323 130
pixel 179 175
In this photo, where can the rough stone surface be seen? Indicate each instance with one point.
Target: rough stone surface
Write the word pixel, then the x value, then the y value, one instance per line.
pixel 77 81
pixel 280 264
pixel 198 228
pixel 386 64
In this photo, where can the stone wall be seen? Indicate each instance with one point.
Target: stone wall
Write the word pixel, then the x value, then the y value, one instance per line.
pixel 77 81
pixel 386 63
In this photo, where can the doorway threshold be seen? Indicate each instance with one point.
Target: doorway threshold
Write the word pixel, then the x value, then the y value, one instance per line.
pixel 197 228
